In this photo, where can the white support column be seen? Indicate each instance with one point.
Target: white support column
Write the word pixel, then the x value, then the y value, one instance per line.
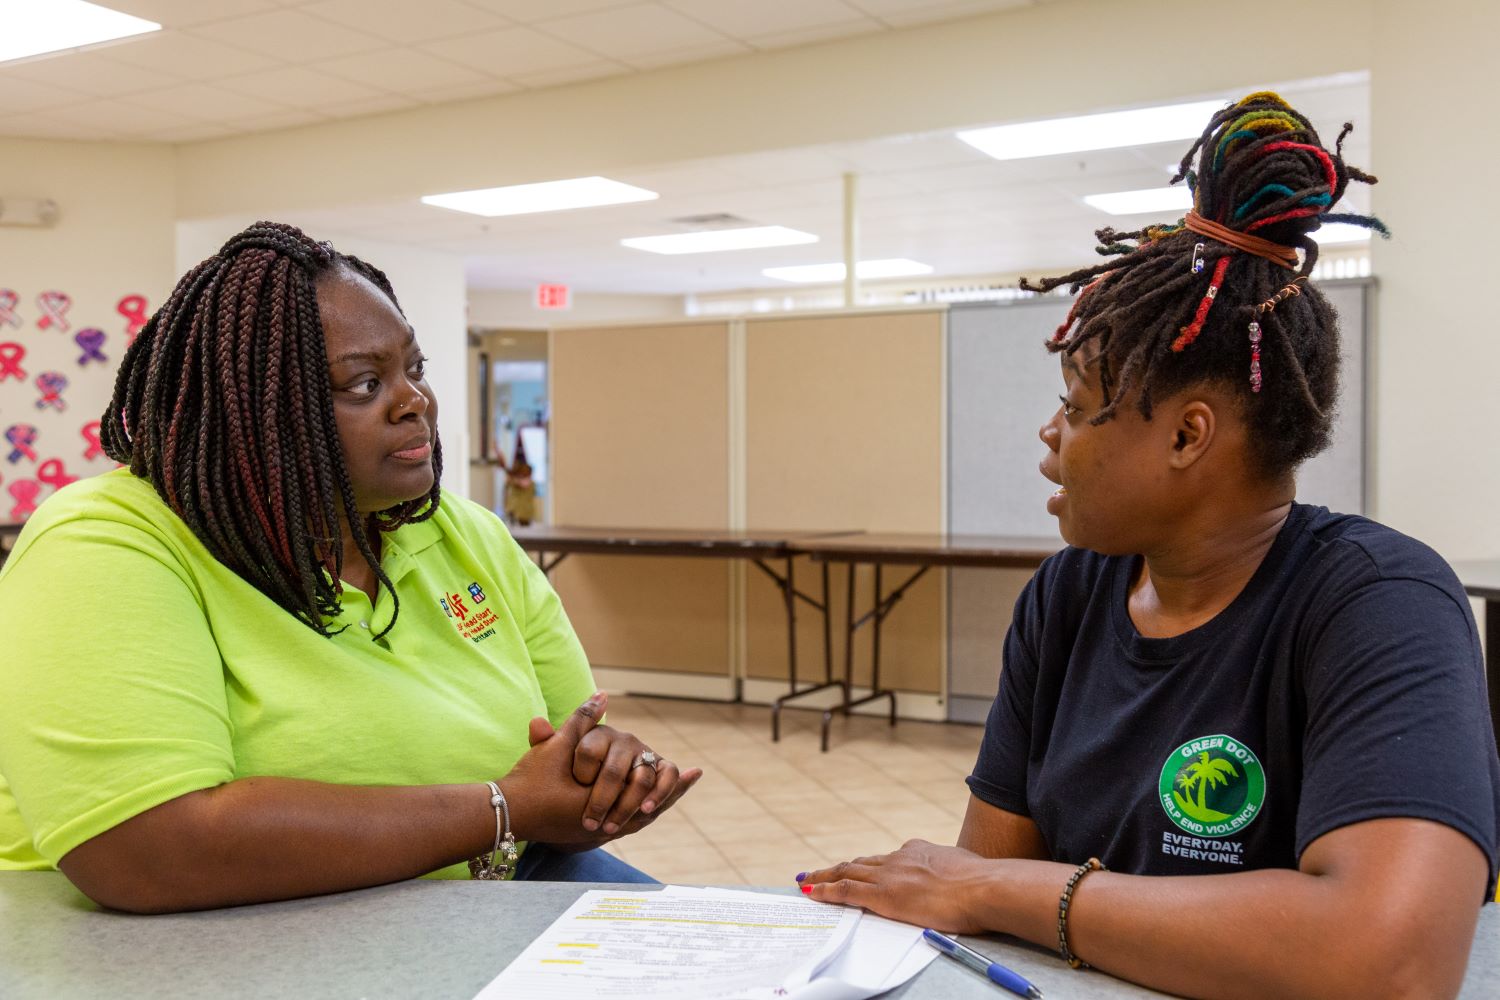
pixel 851 240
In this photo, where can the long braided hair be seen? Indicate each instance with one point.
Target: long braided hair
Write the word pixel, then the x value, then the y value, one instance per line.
pixel 1173 308
pixel 224 403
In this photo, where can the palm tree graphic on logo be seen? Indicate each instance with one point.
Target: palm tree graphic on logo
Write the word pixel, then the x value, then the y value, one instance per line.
pixel 1201 775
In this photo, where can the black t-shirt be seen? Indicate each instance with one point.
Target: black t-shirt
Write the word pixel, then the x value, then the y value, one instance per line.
pixel 1345 683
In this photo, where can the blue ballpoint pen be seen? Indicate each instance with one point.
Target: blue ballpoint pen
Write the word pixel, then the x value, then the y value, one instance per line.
pixel 998 973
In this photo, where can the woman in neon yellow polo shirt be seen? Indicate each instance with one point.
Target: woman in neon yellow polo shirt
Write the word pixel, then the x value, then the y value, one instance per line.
pixel 270 659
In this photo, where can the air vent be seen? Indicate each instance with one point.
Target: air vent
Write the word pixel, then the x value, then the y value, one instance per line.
pixel 712 220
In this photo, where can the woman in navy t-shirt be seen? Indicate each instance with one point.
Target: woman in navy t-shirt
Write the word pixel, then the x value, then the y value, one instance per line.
pixel 1214 680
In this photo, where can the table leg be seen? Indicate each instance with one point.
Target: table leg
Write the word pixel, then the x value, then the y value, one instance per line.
pixel 791 595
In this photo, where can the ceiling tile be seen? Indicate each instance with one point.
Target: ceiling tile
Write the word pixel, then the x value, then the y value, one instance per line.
pixel 403 70
pixel 627 32
pixel 466 91
pixel 191 133
pixel 203 102
pixel 527 11
pixel 182 13
pixel 188 56
pixel 283 119
pixel 764 17
pixel 573 74
pixel 691 54
pixel 511 52
pixel 119 117
pixel 406 22
pixel 819 33
pixel 298 87
pixel 901 13
pixel 290 36
pixel 47 126
pixel 19 95
pixel 91 72
pixel 369 106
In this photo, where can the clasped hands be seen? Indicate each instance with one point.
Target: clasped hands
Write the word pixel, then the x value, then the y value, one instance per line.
pixel 579 785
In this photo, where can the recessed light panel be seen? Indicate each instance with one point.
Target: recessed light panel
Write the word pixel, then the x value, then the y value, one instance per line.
pixel 36 27
pixel 896 267
pixel 548 196
pixel 1112 130
pixel 715 240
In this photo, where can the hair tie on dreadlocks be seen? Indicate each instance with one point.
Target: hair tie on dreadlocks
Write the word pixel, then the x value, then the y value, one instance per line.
pixel 1263 183
pixel 224 402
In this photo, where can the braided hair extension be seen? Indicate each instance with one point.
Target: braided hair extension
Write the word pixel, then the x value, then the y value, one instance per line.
pixel 224 403
pixel 1170 306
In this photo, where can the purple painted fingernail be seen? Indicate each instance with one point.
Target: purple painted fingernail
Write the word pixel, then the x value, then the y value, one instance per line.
pixel 801 876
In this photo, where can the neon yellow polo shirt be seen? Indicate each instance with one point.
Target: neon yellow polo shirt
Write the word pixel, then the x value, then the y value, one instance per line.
pixel 135 667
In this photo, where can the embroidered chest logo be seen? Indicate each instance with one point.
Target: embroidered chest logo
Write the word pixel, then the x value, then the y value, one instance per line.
pixel 473 622
pixel 1212 786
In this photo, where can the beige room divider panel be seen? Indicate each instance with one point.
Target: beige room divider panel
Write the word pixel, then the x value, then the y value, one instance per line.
pixel 640 438
pixel 844 431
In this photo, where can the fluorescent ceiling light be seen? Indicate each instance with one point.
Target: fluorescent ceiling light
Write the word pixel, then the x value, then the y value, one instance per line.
pixel 896 267
pixel 713 240
pixel 1112 130
pixel 548 196
pixel 1341 232
pixel 34 27
pixel 1167 199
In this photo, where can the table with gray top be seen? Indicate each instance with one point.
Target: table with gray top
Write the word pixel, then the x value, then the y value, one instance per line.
pixel 412 940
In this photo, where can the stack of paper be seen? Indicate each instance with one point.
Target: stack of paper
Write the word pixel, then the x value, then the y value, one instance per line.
pixel 724 944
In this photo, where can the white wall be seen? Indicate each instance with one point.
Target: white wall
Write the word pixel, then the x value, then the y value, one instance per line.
pixel 1437 466
pixel 113 238
pixel 430 286
pixel 493 308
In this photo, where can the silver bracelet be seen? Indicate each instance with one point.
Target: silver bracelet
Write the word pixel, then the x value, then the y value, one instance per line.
pixel 505 842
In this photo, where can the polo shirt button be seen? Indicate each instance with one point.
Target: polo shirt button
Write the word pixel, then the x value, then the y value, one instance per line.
pixel 364 625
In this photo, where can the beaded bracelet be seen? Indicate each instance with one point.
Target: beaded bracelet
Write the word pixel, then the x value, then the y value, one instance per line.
pixel 505 842
pixel 1092 864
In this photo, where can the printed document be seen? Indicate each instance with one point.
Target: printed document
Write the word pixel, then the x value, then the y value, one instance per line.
pixel 679 943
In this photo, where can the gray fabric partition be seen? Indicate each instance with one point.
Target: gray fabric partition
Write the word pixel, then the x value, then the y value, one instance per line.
pixel 1001 385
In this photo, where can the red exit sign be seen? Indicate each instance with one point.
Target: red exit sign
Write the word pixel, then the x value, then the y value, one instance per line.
pixel 554 297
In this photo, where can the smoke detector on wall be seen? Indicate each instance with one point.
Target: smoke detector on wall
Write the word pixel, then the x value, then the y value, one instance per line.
pixel 27 212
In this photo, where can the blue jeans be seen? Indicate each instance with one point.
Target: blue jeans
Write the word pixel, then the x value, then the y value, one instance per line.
pixel 541 863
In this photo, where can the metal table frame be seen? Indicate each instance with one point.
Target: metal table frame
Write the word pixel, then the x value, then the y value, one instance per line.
pixel 766 549
pixel 925 552
pixel 761 549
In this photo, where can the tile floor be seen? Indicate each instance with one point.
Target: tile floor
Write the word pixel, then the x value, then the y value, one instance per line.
pixel 765 811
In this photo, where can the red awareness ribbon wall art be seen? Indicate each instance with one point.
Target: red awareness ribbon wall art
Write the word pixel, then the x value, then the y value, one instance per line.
pixel 51 385
pixel 133 308
pixel 11 356
pixel 54 306
pixel 21 438
pixel 8 302
pixel 54 474
pixel 24 492
pixel 90 433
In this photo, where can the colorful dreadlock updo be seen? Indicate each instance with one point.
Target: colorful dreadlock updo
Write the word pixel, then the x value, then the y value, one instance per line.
pixel 1178 305
pixel 224 403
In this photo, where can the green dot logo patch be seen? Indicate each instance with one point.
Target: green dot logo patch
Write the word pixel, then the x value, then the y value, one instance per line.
pixel 1212 786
